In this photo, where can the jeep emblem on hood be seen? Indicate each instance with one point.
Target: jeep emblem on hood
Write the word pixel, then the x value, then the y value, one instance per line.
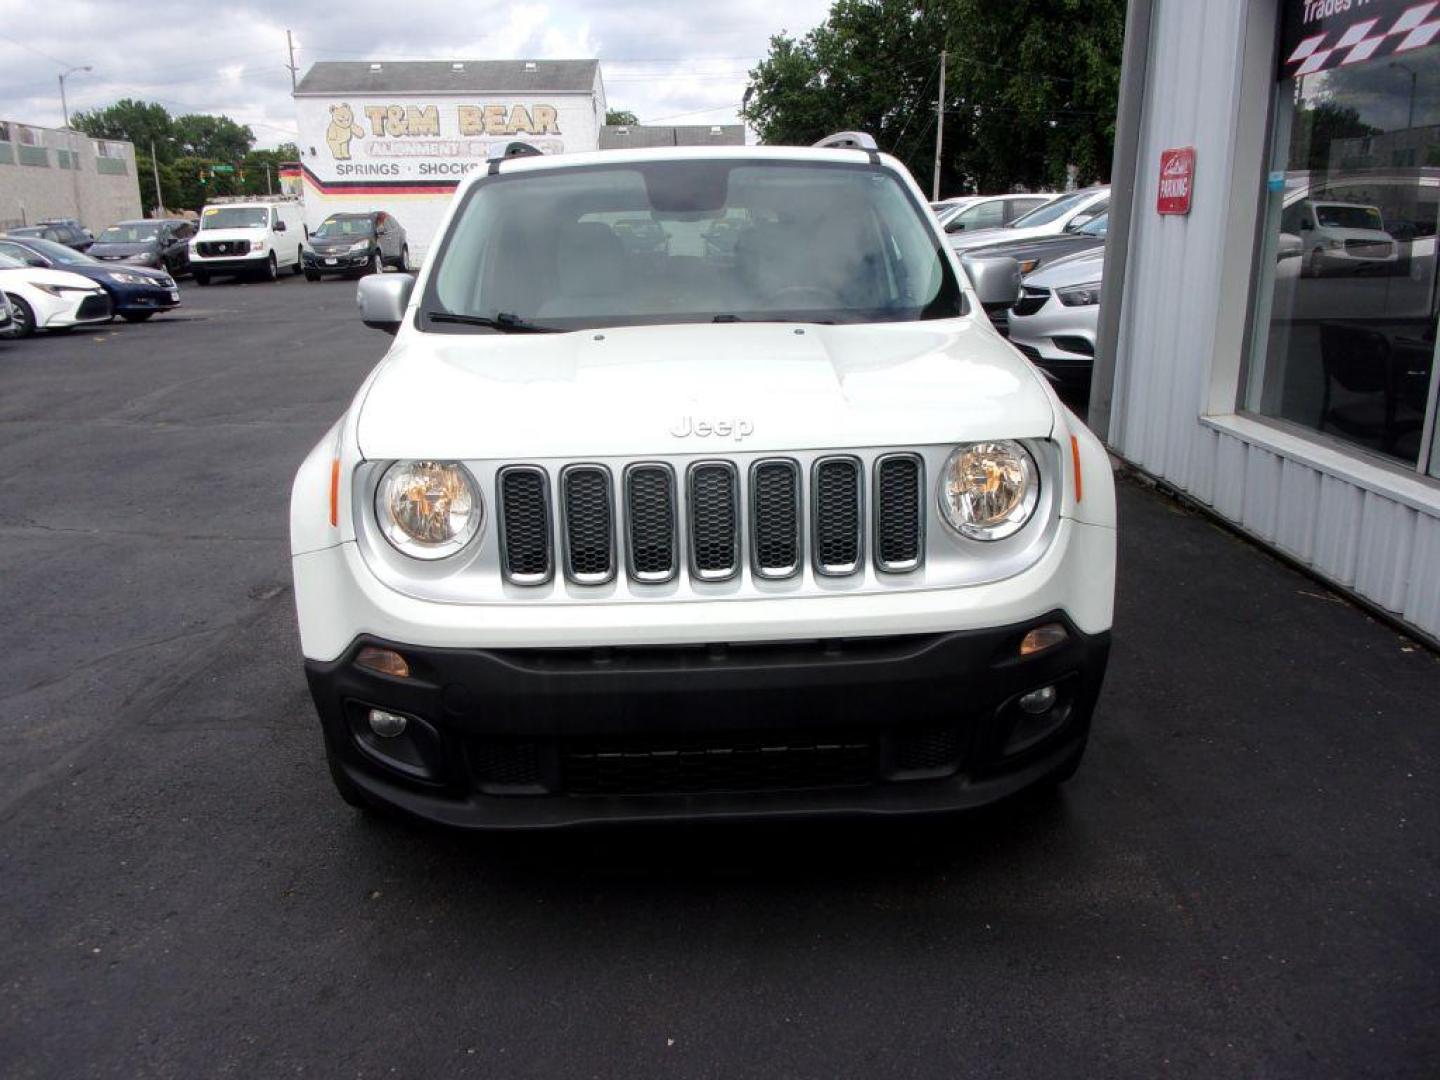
pixel 737 428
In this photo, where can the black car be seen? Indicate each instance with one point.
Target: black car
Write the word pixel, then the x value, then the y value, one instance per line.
pixel 59 232
pixel 356 244
pixel 160 245
pixel 1035 252
pixel 137 292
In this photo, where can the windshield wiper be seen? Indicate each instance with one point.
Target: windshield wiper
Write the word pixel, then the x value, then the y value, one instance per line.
pixel 503 321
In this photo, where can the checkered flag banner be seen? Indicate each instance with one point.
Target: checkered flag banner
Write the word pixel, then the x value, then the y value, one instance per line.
pixel 1413 28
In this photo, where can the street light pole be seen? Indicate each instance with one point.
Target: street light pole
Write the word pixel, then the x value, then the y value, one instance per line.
pixel 64 108
pixel 1414 75
pixel 70 139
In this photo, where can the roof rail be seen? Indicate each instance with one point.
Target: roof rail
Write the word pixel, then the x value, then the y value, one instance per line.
pixel 510 150
pixel 849 140
pixel 513 149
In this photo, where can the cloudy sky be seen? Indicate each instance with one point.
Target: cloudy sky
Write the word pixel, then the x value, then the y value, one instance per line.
pixel 665 61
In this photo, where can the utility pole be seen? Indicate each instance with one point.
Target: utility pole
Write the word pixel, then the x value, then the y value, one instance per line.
pixel 290 44
pixel 70 138
pixel 939 128
pixel 268 189
pixel 155 170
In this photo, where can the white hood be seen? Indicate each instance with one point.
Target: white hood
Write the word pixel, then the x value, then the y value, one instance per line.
pixel 38 275
pixel 623 392
pixel 1081 268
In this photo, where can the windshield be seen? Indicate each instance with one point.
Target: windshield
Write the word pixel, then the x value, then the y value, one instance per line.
pixel 234 217
pixel 345 225
pixel 59 253
pixel 139 232
pixel 692 241
pixel 1346 216
pixel 1051 211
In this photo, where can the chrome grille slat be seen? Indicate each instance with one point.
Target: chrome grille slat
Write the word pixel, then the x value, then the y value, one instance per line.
pixel 775 542
pixel 899 499
pixel 589 524
pixel 526 538
pixel 837 515
pixel 714 520
pixel 652 527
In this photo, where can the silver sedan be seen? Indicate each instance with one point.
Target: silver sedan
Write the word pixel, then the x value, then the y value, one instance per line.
pixel 1054 321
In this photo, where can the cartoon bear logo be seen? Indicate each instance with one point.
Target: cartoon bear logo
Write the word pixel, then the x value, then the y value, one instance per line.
pixel 341 130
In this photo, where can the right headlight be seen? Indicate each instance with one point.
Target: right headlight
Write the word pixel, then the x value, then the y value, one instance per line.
pixel 1080 295
pixel 428 509
pixel 989 490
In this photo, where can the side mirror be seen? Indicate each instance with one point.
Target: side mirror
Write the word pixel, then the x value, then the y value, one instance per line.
pixel 279 226
pixel 383 299
pixel 996 280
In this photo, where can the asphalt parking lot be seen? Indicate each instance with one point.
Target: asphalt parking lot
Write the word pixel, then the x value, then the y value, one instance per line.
pixel 1244 879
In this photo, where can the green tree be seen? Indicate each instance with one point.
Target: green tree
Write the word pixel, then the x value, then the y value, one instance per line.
pixel 139 122
pixel 202 135
pixel 1018 109
pixel 621 118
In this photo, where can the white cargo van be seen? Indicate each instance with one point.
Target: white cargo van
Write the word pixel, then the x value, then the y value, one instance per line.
pixel 249 236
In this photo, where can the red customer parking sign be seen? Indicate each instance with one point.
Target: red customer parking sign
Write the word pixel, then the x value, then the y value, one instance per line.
pixel 1177 180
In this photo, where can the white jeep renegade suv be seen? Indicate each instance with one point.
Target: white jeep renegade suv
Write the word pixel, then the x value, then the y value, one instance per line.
pixel 696 483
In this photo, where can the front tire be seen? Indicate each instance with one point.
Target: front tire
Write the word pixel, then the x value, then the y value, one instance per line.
pixel 310 275
pixel 24 318
pixel 376 265
pixel 136 316
pixel 202 277
pixel 405 259
pixel 272 268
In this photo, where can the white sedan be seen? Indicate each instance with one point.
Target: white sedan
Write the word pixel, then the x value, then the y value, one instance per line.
pixel 42 299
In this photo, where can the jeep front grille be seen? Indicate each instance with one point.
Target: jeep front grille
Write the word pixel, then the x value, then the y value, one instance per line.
pixel 525 525
pixel 653 540
pixel 589 524
pixel 711 519
pixel 714 520
pixel 775 518
pixel 899 524
pixel 838 516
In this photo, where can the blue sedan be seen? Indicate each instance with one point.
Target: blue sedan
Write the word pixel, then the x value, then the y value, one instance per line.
pixel 136 292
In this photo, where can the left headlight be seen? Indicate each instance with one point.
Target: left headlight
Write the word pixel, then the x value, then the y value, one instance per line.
pixel 1080 295
pixel 989 490
pixel 359 245
pixel 130 279
pixel 428 509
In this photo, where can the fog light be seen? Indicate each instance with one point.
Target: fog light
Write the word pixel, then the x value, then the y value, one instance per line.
pixel 1042 638
pixel 1034 703
pixel 385 661
pixel 387 725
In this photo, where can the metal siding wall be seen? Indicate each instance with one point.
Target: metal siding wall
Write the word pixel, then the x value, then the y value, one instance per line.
pixel 1386 551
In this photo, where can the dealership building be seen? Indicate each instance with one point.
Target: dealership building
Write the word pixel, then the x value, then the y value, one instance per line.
pixel 1268 331
pixel 60 173
pixel 399 136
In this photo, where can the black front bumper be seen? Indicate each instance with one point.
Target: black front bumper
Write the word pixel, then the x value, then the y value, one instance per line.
pixel 254 265
pixel 346 263
pixel 524 738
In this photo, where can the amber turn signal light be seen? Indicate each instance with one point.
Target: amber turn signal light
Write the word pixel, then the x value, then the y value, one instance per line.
pixel 384 661
pixel 1042 638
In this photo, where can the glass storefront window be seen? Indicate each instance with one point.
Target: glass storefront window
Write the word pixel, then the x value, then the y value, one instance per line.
pixel 1346 317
